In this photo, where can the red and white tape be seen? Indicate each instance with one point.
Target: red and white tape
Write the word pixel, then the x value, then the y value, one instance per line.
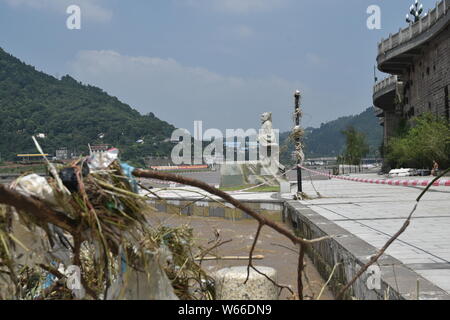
pixel 403 183
pixel 156 181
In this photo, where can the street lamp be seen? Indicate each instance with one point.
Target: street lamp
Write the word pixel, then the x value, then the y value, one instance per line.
pixel 298 134
pixel 415 11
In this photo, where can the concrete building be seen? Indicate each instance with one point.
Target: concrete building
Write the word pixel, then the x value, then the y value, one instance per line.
pixel 418 59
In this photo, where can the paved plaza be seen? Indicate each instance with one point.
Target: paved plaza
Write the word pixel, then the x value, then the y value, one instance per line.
pixel 375 212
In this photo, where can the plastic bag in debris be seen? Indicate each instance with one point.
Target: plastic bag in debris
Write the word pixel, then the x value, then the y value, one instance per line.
pixel 36 186
pixel 150 285
pixel 31 246
pixel 128 171
pixel 102 160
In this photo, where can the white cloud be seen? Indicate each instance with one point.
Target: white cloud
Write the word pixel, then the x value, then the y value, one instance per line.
pixel 315 59
pixel 181 94
pixel 237 31
pixel 238 6
pixel 90 9
pixel 243 31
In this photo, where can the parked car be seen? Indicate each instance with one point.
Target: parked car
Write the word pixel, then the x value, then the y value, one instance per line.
pixel 423 172
pixel 403 172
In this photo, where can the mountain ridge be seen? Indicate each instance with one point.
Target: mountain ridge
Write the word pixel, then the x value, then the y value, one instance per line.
pixel 328 140
pixel 71 115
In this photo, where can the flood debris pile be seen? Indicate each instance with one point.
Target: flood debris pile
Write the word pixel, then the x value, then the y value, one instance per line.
pixel 83 233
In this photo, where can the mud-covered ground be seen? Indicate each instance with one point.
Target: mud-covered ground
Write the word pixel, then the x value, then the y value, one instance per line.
pixel 277 250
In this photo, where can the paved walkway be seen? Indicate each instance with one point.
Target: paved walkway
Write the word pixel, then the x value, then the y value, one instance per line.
pixel 375 212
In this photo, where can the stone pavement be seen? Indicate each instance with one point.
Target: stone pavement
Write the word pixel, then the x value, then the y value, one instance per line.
pixel 375 212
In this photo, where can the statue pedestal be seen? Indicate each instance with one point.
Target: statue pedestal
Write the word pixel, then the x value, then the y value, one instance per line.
pixel 231 175
pixel 251 173
pixel 285 187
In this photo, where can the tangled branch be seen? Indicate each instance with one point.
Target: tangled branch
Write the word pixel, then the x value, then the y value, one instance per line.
pixel 262 221
pixel 225 196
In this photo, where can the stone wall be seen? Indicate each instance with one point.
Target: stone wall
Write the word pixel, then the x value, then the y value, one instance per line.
pixel 427 81
pixel 208 208
pixel 391 123
pixel 348 254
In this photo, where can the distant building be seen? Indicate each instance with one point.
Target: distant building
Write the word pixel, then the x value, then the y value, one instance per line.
pixel 418 59
pixel 152 161
pixel 62 154
pixel 100 147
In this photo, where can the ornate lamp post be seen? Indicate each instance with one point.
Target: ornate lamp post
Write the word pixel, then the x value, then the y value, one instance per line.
pixel 415 11
pixel 297 134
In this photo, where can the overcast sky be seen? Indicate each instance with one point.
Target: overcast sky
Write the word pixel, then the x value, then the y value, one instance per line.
pixel 221 61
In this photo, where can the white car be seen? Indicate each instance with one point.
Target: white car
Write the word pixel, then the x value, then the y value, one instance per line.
pixel 402 172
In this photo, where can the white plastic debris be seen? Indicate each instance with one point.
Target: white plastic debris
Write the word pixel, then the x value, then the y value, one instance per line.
pixel 102 160
pixel 36 186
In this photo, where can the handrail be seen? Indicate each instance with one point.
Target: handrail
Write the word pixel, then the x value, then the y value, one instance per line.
pixel 380 85
pixel 416 28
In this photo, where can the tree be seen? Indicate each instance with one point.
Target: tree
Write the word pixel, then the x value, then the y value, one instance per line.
pixel 356 146
pixel 71 114
pixel 427 139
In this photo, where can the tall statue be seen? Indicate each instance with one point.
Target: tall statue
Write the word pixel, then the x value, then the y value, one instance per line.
pixel 269 149
pixel 267 136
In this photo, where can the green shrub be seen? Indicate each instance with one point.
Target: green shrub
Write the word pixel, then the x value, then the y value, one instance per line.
pixel 427 139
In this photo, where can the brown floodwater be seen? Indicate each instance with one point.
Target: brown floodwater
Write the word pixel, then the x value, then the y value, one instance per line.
pixel 278 251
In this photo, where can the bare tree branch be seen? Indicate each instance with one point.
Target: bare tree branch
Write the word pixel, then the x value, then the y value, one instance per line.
pixel 37 208
pixel 238 204
pixel 300 268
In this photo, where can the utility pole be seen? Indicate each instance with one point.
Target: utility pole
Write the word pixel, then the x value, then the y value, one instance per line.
pixel 298 135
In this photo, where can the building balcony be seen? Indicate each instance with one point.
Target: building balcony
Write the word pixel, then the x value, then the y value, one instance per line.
pixel 378 112
pixel 384 93
pixel 397 53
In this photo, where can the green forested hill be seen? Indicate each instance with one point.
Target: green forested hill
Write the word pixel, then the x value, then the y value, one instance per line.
pixel 328 141
pixel 70 114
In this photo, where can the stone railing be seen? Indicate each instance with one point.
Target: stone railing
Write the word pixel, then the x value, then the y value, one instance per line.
pixel 415 29
pixel 385 83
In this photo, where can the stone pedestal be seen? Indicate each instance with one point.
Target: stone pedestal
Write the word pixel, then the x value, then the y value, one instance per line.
pixel 230 284
pixel 285 187
pixel 231 175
